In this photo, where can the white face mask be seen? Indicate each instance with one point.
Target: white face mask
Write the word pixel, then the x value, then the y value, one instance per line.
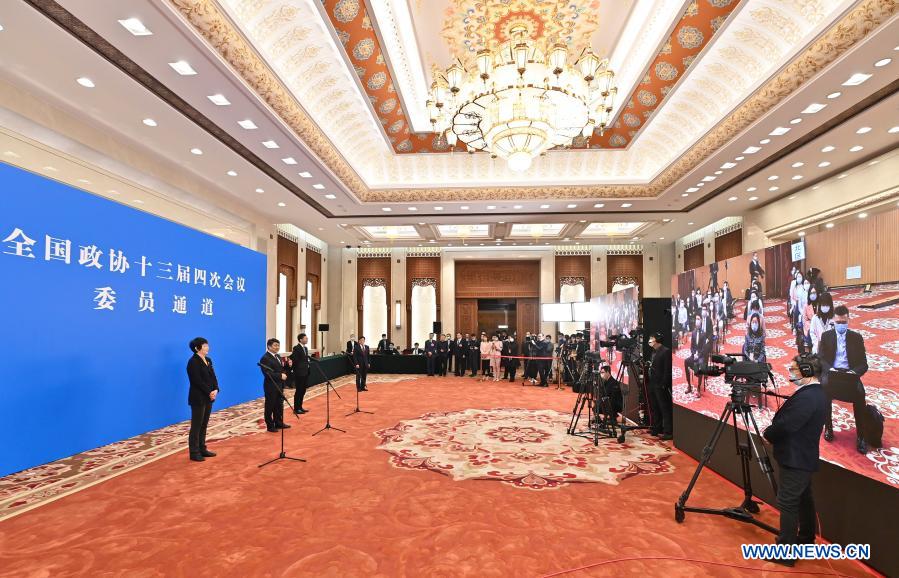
pixel 825 308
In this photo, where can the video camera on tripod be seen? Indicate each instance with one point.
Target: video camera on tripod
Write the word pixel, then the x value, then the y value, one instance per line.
pixel 623 341
pixel 740 373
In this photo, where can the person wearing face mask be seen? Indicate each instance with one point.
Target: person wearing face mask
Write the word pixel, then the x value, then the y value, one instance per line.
pixel 660 388
pixel 794 433
pixel 799 311
pixel 755 268
pixel 683 320
pixel 843 356
pixel 811 308
pixel 728 299
pixel 754 305
pixel 707 325
pixel 754 343
pixel 713 276
pixel 700 348
pixel 822 321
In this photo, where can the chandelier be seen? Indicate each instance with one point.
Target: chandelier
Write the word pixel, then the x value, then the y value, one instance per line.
pixel 522 100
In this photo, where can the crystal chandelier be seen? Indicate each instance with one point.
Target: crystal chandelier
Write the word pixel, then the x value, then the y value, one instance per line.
pixel 521 100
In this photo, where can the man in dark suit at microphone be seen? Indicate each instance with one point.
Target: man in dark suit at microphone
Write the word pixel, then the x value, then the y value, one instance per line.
pixel 275 373
pixel 361 363
pixel 300 359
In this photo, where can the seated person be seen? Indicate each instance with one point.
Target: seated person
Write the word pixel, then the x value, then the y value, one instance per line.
pixel 612 400
pixel 416 350
pixel 843 357
pixel 391 349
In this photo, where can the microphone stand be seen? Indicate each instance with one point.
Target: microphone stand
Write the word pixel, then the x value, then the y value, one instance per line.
pixel 328 387
pixel 357 410
pixel 282 455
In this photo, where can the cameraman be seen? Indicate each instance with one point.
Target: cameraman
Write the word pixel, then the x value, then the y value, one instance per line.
pixel 795 432
pixel 660 388
pixel 611 390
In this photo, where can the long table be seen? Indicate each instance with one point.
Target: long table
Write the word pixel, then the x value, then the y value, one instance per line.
pixel 398 364
pixel 332 366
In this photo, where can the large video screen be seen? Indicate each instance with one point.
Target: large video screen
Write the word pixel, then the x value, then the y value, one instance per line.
pixel 98 303
pixel 770 308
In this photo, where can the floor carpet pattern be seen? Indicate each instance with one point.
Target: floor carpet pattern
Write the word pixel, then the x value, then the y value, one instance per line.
pixel 352 511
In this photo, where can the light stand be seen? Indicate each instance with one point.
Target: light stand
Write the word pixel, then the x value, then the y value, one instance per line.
pixel 328 387
pixel 282 455
pixel 357 410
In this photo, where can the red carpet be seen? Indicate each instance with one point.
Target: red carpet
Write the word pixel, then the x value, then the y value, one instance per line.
pixel 880 329
pixel 349 511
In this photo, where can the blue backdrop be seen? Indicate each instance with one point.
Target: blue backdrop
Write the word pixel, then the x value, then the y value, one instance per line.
pixel 97 304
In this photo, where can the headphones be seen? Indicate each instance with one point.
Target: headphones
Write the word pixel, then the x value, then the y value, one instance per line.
pixel 806 369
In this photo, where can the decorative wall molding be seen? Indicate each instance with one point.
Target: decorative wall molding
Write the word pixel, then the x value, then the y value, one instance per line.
pixel 362 252
pixel 625 250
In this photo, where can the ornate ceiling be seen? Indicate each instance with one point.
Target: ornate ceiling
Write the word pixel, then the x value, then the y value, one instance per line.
pixel 337 75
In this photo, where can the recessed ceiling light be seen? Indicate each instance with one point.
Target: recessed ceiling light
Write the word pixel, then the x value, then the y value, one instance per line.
pixel 718 172
pixel 813 108
pixel 666 220
pixel 134 26
pixel 751 150
pixel 797 165
pixel 260 191
pixel 827 149
pixel 386 209
pixel 843 176
pixel 438 208
pixel 772 189
pixel 318 186
pixel 491 207
pixel 411 208
pixel 856 79
pixel 584 221
pixel 85 82
pixel 149 122
pixel 183 68
pixel 501 222
pixel 691 223
pixel 218 99
pixel 247 124
pixel 270 144
pixel 829 225
pixel 572 206
pixel 464 207
pixel 544 206
pixel 196 151
pixel 517 207
pixel 321 229
pixel 750 189
pixel 834 95
pixel 856 148
pixel 893 129
pixel 773 178
pixel 802 233
pixel 599 205
pixel 692 189
pixel 138 201
pixel 824 164
pixel 232 173
pixel 791 197
pixel 797 177
pixel 708 178
pixel 51 169
pixel 305 174
pixel 282 205
pixel 732 199
pixel 685 194
pixel 781 130
pixel 85 181
pixel 330 196
pixel 765 141
pixel 728 165
pixel 872 163
pixel 661 238
pixel 289 161
pixel 863 215
pixel 739 158
pixel 626 205
pixel 753 198
pixel 700 184
pixel 796 121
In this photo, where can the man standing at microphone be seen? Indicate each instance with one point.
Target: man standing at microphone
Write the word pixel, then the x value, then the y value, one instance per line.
pixel 273 385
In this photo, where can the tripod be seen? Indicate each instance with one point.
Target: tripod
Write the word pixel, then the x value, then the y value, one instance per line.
pixel 746 449
pixel 328 387
pixel 593 396
pixel 282 455
pixel 357 410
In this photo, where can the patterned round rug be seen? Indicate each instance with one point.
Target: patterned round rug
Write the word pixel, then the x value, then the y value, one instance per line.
pixel 523 447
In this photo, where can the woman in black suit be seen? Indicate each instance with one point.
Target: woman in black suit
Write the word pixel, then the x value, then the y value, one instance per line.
pixel 204 388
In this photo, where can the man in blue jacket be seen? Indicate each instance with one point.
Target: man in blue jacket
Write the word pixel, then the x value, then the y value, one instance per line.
pixel 795 432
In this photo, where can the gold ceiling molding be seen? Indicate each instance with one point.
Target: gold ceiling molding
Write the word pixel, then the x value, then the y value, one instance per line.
pixel 208 19
pixel 888 196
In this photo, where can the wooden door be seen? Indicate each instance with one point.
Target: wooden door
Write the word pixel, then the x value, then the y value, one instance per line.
pixel 466 316
pixel 527 316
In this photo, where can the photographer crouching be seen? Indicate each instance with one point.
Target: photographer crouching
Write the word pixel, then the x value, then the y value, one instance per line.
pixel 794 433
